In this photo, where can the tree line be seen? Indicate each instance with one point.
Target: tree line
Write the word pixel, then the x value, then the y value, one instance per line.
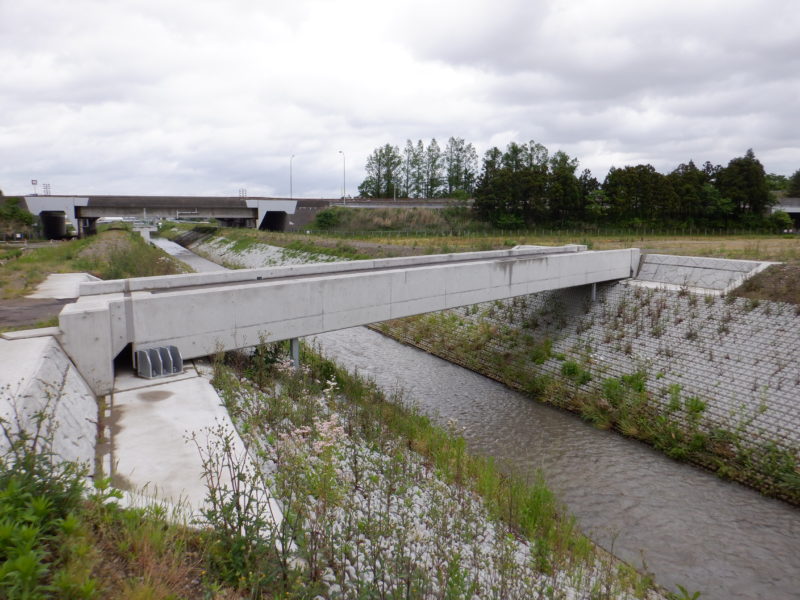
pixel 421 171
pixel 527 185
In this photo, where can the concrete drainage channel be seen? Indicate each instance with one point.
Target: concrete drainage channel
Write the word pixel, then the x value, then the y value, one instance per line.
pixel 139 434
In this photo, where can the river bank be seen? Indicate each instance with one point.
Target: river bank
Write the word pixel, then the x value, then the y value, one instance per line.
pixel 380 502
pixel 708 380
pixel 686 526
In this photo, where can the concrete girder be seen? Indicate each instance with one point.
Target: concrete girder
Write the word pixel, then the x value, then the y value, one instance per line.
pixel 204 313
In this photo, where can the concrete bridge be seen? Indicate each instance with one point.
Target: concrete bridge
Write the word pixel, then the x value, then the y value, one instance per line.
pixel 203 313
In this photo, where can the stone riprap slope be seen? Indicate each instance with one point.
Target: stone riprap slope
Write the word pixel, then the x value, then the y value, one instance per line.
pixel 738 357
pixel 228 253
pixel 712 379
pixel 375 519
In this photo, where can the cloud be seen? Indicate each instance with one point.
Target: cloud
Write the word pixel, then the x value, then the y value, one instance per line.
pixel 210 96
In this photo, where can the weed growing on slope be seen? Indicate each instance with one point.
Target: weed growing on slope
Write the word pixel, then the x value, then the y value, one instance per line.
pixel 380 502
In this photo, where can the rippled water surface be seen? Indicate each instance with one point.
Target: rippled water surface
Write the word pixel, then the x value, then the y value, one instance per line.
pixel 685 525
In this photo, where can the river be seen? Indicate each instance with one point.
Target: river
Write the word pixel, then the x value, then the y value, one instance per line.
pixel 683 524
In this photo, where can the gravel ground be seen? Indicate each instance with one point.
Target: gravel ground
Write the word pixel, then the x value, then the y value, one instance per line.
pixel 385 524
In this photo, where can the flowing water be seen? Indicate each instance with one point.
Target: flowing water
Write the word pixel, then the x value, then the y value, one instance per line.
pixel 682 524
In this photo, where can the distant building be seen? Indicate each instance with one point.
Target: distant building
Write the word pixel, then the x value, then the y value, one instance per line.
pixel 791 206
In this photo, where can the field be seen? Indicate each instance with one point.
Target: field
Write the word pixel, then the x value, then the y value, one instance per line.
pixel 779 283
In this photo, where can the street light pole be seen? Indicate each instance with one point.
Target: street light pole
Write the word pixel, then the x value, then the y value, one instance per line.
pixel 290 176
pixel 344 177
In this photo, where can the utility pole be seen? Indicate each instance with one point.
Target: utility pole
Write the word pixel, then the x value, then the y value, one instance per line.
pixel 344 177
pixel 291 158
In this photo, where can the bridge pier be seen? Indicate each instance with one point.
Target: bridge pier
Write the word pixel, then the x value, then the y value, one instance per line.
pixel 294 345
pixel 594 292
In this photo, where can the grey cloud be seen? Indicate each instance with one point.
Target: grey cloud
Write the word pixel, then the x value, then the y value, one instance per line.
pixel 207 97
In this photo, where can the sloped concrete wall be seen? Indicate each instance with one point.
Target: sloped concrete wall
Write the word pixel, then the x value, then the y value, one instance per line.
pixel 705 275
pixel 39 379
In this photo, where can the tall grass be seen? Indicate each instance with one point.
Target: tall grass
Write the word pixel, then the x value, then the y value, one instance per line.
pixel 112 254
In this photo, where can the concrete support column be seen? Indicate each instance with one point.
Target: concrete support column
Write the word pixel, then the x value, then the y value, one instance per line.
pixel 294 344
pixel 594 292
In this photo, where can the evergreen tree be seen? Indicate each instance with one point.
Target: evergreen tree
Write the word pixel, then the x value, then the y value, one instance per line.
pixel 563 191
pixel 434 170
pixel 587 185
pixel 418 171
pixel 637 194
pixel 487 204
pixel 744 182
pixel 536 155
pixel 688 183
pixel 460 160
pixel 777 183
pixel 405 169
pixel 793 188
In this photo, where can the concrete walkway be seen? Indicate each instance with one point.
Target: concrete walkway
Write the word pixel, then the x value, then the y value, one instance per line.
pixel 150 426
pixel 155 430
pixel 61 285
pixel 198 263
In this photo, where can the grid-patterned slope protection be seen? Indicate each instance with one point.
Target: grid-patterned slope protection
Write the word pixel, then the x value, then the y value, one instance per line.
pixel 738 356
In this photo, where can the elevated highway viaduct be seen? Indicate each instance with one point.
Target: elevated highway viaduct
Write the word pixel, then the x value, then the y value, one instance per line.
pixel 203 313
pixel 82 212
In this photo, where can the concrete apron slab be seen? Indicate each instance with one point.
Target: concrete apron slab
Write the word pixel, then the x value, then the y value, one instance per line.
pixel 151 454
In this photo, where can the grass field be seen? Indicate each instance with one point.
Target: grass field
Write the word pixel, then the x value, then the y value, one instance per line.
pixel 780 283
pixel 112 254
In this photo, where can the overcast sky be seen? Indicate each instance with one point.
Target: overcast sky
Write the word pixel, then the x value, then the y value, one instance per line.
pixel 210 96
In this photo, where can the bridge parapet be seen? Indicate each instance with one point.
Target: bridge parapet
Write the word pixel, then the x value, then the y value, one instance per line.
pixel 204 313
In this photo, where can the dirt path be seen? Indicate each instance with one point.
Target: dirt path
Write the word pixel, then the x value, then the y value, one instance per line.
pixel 23 312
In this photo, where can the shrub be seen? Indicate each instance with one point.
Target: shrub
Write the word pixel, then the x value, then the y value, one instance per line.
pixel 506 221
pixel 38 496
pixel 327 219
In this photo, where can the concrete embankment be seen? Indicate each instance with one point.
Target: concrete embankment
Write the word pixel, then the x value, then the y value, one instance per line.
pixel 144 435
pixel 38 380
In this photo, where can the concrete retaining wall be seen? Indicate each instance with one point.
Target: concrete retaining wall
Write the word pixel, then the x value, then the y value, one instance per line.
pixel 38 378
pixel 698 274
